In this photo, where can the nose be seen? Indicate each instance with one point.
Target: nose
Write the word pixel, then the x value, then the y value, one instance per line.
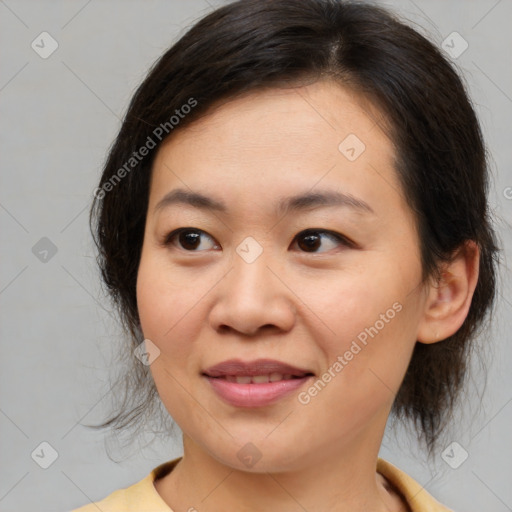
pixel 253 297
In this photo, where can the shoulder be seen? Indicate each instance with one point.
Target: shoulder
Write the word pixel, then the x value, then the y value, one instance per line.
pixel 139 496
pixel 418 499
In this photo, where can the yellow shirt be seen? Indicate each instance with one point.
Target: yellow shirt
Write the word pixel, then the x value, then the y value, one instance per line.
pixel 143 496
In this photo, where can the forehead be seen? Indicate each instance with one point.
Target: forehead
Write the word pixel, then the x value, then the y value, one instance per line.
pixel 323 108
pixel 276 139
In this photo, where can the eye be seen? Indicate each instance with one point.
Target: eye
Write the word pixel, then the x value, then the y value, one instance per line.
pixel 310 239
pixel 189 239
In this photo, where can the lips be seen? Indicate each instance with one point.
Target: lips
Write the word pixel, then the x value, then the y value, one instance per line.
pixel 256 369
pixel 257 383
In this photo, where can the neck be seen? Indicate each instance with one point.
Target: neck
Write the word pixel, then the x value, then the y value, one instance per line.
pixel 342 482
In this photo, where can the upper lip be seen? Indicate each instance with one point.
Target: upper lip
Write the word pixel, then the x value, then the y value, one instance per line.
pixel 252 368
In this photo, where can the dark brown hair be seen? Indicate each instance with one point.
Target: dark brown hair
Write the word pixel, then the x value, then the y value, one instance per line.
pixel 440 159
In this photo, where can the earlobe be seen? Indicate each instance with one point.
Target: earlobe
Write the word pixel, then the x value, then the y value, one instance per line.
pixel 449 299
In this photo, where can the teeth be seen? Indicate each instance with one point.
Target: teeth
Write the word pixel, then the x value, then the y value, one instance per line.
pixel 258 379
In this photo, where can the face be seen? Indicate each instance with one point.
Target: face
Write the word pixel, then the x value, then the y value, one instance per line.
pixel 328 284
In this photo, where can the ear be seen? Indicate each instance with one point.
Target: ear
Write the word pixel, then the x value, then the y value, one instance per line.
pixel 449 298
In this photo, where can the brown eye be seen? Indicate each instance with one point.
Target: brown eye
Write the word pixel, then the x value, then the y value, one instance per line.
pixel 311 240
pixel 189 239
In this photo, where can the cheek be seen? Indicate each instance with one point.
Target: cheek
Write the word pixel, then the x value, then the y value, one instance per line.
pixel 351 302
pixel 164 295
pixel 165 307
pixel 166 311
pixel 371 320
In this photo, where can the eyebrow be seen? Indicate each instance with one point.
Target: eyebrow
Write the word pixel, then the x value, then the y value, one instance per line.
pixel 299 202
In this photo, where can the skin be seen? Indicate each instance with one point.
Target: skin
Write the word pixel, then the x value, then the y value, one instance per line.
pixel 295 304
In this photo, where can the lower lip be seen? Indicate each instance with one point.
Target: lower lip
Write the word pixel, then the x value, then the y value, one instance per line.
pixel 254 395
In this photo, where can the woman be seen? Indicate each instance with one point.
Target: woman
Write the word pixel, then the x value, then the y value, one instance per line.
pixel 293 223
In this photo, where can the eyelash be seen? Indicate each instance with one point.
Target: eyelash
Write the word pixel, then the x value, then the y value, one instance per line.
pixel 169 238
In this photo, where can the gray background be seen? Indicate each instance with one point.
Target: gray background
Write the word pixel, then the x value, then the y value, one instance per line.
pixel 59 115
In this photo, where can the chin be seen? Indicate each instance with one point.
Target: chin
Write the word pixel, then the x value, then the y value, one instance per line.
pixel 257 456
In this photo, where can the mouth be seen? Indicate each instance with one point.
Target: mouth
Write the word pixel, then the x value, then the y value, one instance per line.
pixel 259 379
pixel 255 383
